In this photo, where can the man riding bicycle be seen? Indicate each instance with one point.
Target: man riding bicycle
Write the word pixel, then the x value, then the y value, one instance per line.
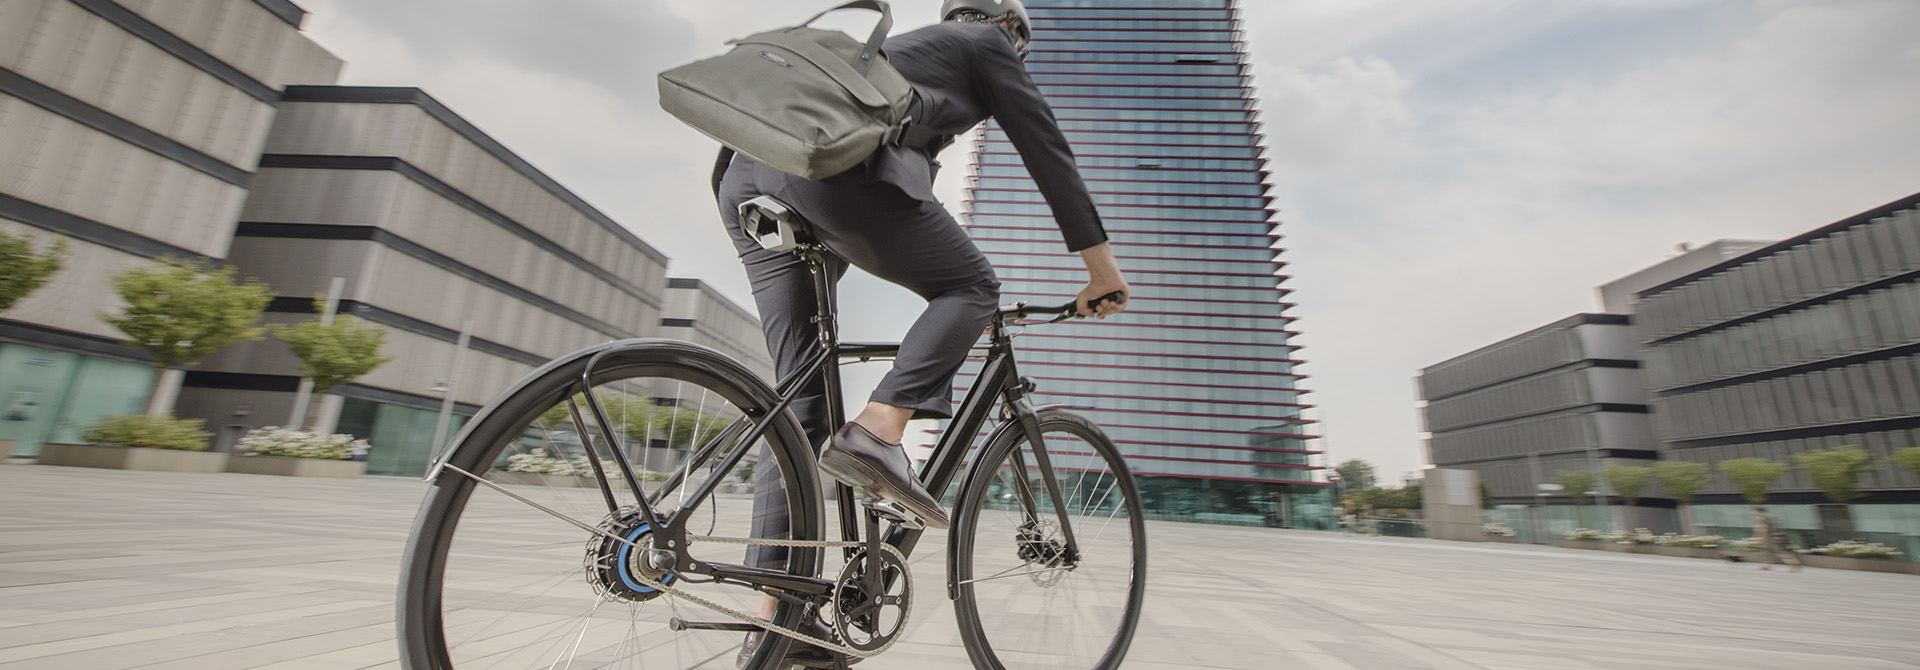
pixel 882 217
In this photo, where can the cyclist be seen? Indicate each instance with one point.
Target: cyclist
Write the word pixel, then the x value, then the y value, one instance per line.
pixel 882 216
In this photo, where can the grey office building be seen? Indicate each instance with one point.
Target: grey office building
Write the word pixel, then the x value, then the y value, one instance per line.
pixel 1809 343
pixel 1565 396
pixel 131 130
pixel 209 131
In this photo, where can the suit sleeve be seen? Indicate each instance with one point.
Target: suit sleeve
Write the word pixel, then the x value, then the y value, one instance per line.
pixel 1023 113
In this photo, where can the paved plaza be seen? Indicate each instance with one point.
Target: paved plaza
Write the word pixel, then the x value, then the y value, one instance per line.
pixel 102 570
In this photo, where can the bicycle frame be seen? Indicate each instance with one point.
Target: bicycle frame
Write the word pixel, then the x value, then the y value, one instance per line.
pixel 998 380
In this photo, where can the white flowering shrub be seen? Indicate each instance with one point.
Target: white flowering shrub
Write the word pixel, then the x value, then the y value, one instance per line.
pixel 1497 529
pixel 278 441
pixel 1641 535
pixel 1747 544
pixel 538 462
pixel 1584 535
pixel 1677 540
pixel 1852 549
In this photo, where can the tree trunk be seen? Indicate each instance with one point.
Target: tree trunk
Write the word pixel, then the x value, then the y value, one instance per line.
pixel 1836 523
pixel 166 389
pixel 1686 519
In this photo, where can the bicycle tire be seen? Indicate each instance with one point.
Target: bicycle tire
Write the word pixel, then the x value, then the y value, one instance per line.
pixel 429 606
pixel 1014 610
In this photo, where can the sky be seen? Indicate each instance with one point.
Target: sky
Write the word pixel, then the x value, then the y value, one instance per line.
pixel 1448 174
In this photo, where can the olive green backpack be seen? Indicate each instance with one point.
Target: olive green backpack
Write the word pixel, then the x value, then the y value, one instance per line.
pixel 806 101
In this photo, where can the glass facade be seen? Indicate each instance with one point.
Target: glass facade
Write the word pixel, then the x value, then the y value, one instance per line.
pixel 401 437
pixel 1811 343
pixel 1196 381
pixel 50 396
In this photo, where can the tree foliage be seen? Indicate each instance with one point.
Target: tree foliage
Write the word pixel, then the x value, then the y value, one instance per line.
pixel 22 270
pixel 1682 479
pixel 1406 498
pixel 639 419
pixel 1753 476
pixel 181 311
pixel 1627 481
pixel 1837 471
pixel 332 355
pixel 1908 458
pixel 1356 474
pixel 1576 482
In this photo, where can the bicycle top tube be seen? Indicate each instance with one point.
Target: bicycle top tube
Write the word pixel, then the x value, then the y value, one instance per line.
pixel 871 350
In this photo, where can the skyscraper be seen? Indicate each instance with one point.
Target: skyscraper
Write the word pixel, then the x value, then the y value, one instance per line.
pixel 1196 381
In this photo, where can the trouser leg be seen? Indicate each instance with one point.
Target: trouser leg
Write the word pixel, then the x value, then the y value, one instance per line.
pixel 783 292
pixel 918 246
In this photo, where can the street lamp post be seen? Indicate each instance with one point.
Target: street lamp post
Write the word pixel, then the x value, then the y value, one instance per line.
pixel 451 386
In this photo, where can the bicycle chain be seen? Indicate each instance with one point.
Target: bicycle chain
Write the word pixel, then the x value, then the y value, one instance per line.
pixel 743 617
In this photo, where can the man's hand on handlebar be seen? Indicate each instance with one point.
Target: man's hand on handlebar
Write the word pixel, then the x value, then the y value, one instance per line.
pixel 1097 299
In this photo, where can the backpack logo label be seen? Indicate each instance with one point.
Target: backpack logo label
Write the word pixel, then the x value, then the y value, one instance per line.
pixel 781 61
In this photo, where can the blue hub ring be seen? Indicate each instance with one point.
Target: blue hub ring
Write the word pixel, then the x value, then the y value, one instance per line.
pixel 626 550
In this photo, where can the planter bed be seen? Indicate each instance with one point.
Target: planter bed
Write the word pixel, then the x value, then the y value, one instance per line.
pixel 286 466
pixel 132 458
pixel 1867 564
pixel 1756 557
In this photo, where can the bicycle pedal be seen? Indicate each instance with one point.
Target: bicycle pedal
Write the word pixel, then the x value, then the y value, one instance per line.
pixel 893 511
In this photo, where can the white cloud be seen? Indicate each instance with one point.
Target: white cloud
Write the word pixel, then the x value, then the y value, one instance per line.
pixel 1499 207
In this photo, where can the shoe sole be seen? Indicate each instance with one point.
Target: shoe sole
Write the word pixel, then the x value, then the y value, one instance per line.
pixel 854 473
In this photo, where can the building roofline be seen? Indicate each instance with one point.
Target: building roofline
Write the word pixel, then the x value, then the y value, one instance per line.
pixel 409 95
pixel 1909 202
pixel 1585 318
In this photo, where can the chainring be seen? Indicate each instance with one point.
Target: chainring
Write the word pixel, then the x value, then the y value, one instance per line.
pixel 862 619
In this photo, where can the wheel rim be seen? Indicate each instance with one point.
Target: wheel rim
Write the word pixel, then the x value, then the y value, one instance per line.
pixel 495 582
pixel 1023 602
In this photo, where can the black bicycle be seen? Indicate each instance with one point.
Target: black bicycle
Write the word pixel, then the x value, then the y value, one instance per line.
pixel 596 515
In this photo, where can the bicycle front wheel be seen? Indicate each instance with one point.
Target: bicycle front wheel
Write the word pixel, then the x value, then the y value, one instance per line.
pixel 506 573
pixel 1024 600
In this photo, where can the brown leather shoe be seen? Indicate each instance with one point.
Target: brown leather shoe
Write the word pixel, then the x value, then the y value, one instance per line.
pixel 858 459
pixel 798 653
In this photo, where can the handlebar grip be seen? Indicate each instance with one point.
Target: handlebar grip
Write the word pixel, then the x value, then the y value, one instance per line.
pixel 1116 297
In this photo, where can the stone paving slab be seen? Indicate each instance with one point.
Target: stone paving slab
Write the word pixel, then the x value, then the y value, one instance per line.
pixel 109 570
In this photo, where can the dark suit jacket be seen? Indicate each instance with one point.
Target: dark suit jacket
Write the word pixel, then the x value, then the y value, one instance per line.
pixel 963 73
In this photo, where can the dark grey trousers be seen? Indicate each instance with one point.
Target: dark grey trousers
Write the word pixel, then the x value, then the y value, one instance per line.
pixel 880 229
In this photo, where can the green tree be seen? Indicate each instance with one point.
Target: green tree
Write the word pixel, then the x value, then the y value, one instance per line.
pixel 1752 476
pixel 1908 458
pixel 1486 495
pixel 1577 483
pixel 1682 479
pixel 333 354
pixel 1837 471
pixel 1627 481
pixel 1356 474
pixel 22 270
pixel 182 311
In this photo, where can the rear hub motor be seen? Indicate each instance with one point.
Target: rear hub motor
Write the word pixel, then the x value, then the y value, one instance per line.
pixel 615 568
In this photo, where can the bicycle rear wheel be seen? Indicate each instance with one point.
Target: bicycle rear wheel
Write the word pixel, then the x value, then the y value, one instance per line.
pixel 1022 600
pixel 494 578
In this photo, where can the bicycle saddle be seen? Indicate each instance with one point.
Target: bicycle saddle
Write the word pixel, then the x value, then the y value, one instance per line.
pixel 774 224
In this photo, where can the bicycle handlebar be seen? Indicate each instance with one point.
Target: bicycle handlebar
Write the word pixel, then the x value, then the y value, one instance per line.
pixel 1021 310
